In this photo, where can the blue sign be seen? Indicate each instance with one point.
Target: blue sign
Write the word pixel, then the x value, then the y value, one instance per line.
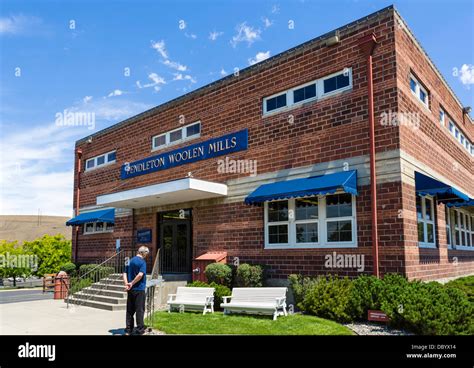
pixel 144 236
pixel 200 151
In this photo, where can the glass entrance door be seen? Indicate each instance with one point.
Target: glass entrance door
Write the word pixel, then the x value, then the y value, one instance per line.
pixel 175 241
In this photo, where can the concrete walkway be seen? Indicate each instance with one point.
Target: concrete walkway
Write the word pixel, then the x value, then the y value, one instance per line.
pixel 51 317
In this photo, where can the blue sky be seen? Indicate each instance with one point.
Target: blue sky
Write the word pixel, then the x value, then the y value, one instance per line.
pixel 119 58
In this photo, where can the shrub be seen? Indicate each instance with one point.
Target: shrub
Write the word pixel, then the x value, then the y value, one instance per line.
pixel 221 291
pixel 367 293
pixel 249 276
pixel 219 273
pixel 69 268
pixel 329 297
pixel 300 285
pixel 95 272
pixel 465 284
pixel 77 284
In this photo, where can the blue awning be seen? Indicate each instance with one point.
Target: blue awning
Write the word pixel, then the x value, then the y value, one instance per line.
pixel 345 181
pixel 470 202
pixel 93 216
pixel 426 185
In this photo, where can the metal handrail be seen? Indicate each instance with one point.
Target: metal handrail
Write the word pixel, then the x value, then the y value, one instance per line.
pixel 83 277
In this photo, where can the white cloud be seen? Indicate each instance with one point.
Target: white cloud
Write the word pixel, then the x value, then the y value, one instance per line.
pixel 156 80
pixel 116 92
pixel 175 65
pixel 160 47
pixel 20 25
pixel 259 57
pixel 38 173
pixel 223 73
pixel 214 35
pixel 466 74
pixel 267 22
pixel 245 33
pixel 87 99
pixel 180 76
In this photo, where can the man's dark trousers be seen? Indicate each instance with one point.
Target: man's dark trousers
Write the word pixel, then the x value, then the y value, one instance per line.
pixel 135 305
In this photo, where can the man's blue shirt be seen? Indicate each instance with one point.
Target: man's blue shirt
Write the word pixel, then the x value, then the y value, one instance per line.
pixel 137 264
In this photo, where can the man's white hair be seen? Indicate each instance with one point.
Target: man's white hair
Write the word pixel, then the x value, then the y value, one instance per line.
pixel 143 250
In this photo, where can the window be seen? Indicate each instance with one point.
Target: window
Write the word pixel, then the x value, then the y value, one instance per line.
pixel 276 102
pixel 319 221
pixel 425 218
pixel 336 82
pixel 464 229
pixel 194 129
pixel 97 227
pixel 418 90
pixel 448 226
pixel 441 117
pixel 102 160
pixel 460 137
pixel 328 85
pixel 159 141
pixel 304 93
pixel 176 136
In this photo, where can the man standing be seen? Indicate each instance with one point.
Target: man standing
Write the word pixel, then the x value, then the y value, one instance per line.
pixel 134 279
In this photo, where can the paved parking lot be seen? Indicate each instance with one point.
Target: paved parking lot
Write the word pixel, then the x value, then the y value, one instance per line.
pixel 51 317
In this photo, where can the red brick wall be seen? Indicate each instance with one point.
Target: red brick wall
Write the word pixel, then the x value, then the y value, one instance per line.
pixel 432 145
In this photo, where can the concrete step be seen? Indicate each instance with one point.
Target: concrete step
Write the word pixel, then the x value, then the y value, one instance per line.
pixel 97 304
pixel 105 286
pixel 100 298
pixel 115 294
pixel 112 281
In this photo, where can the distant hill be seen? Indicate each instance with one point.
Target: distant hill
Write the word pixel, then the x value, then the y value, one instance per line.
pixel 27 228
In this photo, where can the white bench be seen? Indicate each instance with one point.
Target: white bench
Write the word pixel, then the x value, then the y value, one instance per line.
pixel 265 300
pixel 192 298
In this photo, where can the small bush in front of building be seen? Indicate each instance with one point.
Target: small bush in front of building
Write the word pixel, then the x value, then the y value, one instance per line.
pixel 219 293
pixel 329 297
pixel 219 273
pixel 69 268
pixel 248 275
pixel 465 284
pixel 77 284
pixel 95 272
pixel 300 285
pixel 367 293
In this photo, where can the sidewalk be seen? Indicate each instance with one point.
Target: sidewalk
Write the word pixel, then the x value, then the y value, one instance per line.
pixel 51 317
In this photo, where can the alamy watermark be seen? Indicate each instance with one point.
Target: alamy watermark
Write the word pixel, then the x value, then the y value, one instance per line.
pixel 394 118
pixel 232 166
pixel 335 260
pixel 69 118
pixel 28 261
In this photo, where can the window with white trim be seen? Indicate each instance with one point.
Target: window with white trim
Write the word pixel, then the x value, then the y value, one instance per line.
pixel 460 137
pixel 448 226
pixel 441 117
pixel 425 219
pixel 463 229
pixel 419 91
pixel 311 222
pixel 101 160
pixel 319 88
pixel 98 227
pixel 176 136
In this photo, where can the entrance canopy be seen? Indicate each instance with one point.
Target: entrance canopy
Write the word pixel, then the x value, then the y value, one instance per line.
pixel 176 191
pixel 107 216
pixel 426 185
pixel 345 181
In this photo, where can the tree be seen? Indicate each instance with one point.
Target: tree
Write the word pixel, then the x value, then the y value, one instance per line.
pixel 15 261
pixel 53 251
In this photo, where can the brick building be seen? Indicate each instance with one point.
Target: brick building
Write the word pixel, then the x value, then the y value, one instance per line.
pixel 273 165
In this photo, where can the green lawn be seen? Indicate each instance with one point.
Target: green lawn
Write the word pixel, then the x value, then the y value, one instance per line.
pixel 220 324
